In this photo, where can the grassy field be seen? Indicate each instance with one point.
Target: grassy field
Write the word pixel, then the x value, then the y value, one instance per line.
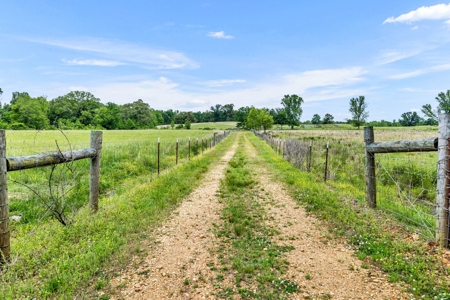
pixel 406 182
pixel 54 261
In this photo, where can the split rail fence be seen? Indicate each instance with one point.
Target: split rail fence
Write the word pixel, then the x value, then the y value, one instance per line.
pixel 300 154
pixel 16 163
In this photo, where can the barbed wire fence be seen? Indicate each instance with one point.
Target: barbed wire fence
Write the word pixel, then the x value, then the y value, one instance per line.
pixel 401 179
pixel 121 160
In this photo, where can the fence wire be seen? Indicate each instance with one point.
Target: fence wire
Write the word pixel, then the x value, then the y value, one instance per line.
pixel 406 182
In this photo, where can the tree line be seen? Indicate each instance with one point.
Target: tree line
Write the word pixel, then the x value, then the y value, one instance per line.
pixel 82 110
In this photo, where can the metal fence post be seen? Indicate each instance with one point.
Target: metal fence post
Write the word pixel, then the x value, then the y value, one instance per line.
pixel 371 186
pixel 326 165
pixel 310 156
pixel 4 210
pixel 159 154
pixel 96 143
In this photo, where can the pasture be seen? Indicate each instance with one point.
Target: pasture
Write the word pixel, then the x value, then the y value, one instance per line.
pixel 406 182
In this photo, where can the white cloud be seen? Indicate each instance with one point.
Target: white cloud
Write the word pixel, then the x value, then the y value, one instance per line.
pixel 163 93
pixel 124 52
pixel 93 62
pixel 220 35
pixel 434 12
pixel 415 28
pixel 223 82
pixel 416 73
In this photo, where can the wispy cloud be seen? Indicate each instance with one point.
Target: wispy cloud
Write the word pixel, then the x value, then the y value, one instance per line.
pixel 419 72
pixel 387 57
pixel 223 82
pixel 93 62
pixel 434 12
pixel 123 52
pixel 220 35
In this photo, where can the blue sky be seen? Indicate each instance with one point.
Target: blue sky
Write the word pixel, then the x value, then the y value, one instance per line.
pixel 189 55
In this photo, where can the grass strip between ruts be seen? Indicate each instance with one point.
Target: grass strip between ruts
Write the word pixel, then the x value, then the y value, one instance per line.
pixel 54 261
pixel 367 230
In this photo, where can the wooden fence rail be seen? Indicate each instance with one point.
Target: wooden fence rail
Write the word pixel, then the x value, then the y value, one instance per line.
pixel 15 163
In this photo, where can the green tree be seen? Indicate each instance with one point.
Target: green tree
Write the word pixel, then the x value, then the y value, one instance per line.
pixel 292 107
pixel 259 119
pixel 184 116
pixel 108 116
pixel 187 124
pixel 139 113
pixel 328 119
pixel 75 106
pixel 409 119
pixel 32 112
pixel 216 112
pixel 358 108
pixel 241 116
pixel 315 119
pixel 443 100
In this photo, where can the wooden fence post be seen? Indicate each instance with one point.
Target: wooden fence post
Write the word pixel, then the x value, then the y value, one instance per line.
pixel 176 160
pixel 96 143
pixel 198 152
pixel 371 186
pixel 4 210
pixel 189 148
pixel 442 180
pixel 326 165
pixel 159 154
pixel 214 139
pixel 202 145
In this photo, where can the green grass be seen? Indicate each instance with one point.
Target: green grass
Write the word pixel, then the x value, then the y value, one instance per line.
pixel 60 262
pixel 247 251
pixel 376 237
pixel 214 126
pixel 125 155
pixel 406 182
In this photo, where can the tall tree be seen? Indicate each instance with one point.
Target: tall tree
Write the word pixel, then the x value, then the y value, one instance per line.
pixel 216 112
pixel 32 112
pixel 241 116
pixel 443 100
pixel 315 119
pixel 358 108
pixel 75 106
pixel 259 119
pixel 409 119
pixel 292 106
pixel 227 112
pixel 328 119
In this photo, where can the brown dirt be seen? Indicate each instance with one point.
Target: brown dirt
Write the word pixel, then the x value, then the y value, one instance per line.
pixel 181 250
pixel 323 266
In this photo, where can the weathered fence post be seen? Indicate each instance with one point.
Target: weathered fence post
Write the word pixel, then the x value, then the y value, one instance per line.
pixel 159 154
pixel 310 156
pixel 326 165
pixel 96 143
pixel 443 181
pixel 189 148
pixel 214 139
pixel 197 148
pixel 371 187
pixel 210 142
pixel 176 155
pixel 202 145
pixel 4 210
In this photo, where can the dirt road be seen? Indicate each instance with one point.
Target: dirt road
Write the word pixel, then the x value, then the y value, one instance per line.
pixel 177 263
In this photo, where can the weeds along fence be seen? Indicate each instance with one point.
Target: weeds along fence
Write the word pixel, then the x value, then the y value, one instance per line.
pixel 58 193
pixel 406 178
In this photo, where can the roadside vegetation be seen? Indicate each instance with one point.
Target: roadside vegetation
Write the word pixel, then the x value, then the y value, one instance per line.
pixel 248 261
pixel 376 237
pixel 54 261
